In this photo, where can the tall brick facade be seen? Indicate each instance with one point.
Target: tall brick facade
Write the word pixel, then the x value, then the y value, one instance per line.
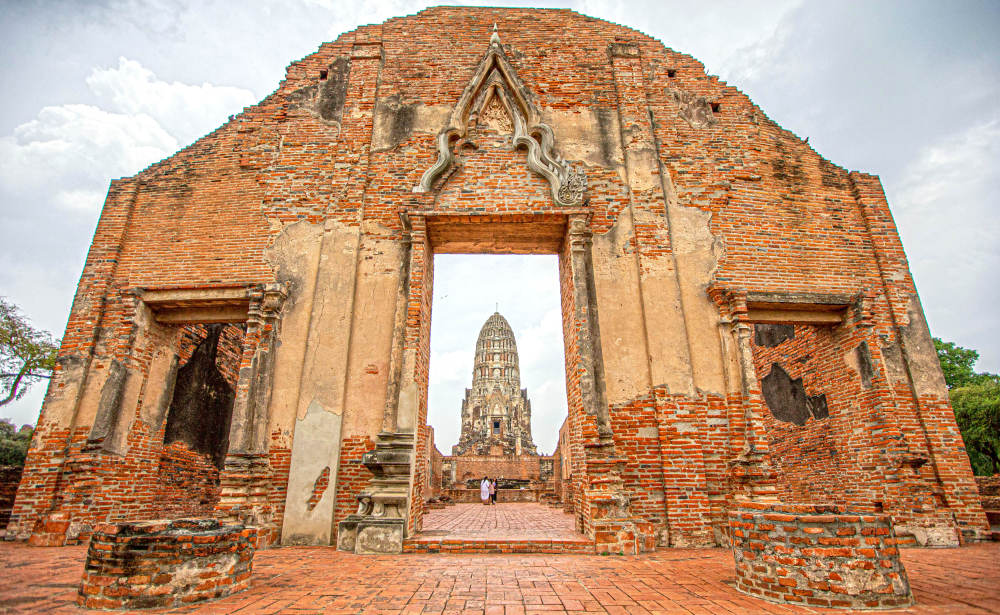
pixel 739 318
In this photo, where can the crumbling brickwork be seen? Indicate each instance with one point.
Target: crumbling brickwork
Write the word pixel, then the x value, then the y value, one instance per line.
pixel 165 563
pixel 684 220
pixel 822 556
pixel 531 468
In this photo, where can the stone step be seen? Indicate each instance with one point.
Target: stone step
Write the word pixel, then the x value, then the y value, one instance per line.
pixel 432 544
pixel 993 517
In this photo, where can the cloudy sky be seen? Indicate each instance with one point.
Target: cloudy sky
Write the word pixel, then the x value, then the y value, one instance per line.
pixel 908 90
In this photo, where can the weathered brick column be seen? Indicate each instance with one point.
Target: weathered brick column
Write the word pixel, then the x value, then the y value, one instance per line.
pixel 152 564
pixel 818 555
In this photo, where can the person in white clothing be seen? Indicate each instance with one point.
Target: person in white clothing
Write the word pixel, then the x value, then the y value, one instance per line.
pixel 484 491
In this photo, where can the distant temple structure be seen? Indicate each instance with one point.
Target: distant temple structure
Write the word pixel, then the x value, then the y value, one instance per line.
pixel 496 429
pixel 496 411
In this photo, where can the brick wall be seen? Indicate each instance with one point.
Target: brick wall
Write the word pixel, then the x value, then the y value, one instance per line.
pixel 989 491
pixel 352 477
pixel 471 496
pixel 153 480
pixel 435 473
pixel 497 466
pixel 831 436
pixel 189 483
pixel 229 352
pixel 343 141
pixel 10 478
pixel 817 555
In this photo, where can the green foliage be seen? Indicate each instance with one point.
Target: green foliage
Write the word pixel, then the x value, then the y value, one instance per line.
pixel 977 411
pixel 957 364
pixel 13 443
pixel 975 397
pixel 27 355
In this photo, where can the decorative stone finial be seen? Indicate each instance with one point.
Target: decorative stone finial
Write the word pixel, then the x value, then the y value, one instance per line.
pixel 495 39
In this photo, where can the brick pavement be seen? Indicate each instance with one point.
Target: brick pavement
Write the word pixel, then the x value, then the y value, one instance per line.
pixel 306 580
pixel 513 520
pixel 522 527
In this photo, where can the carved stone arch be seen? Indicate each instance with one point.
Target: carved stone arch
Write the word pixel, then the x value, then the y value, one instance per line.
pixel 495 77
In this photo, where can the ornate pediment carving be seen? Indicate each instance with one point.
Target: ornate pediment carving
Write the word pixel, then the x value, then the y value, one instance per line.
pixel 497 98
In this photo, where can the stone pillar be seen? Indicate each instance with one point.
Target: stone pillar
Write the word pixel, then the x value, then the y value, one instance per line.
pixel 586 326
pixel 379 525
pixel 752 467
pixel 605 499
pixel 753 476
pixel 246 476
pixel 381 521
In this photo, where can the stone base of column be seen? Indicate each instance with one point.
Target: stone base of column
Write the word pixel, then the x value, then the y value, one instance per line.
pixel 245 482
pixel 51 530
pixel 379 525
pixel 616 529
pixel 371 535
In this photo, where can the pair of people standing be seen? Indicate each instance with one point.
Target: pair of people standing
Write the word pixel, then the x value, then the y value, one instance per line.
pixel 488 491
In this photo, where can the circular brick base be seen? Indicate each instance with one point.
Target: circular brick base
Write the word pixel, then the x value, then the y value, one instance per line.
pixel 150 564
pixel 818 555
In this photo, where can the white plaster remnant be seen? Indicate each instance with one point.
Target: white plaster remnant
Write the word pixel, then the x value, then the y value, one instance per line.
pixel 317 447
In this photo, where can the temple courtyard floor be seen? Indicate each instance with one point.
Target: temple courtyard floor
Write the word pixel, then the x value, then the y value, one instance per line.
pixel 671 581
pixel 515 521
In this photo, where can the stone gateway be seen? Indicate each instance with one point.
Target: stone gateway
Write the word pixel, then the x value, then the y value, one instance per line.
pixel 250 335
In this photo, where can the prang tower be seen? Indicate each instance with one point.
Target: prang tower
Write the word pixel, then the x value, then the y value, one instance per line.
pixel 496 412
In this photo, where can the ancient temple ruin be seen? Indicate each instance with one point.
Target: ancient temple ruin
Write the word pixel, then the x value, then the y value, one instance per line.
pixel 739 319
pixel 495 438
pixel 496 411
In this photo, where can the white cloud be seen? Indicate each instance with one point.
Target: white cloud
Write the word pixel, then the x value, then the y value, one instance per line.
pixel 450 366
pixel 54 175
pixel 709 31
pixel 187 111
pixel 78 148
pixel 946 207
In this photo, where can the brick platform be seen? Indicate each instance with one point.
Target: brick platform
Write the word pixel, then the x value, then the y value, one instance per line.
pixel 678 581
pixel 818 555
pixel 503 528
pixel 151 564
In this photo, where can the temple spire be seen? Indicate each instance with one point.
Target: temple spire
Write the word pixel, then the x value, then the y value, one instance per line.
pixel 496 412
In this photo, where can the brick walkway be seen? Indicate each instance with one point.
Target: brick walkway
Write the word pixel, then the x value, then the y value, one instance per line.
pixel 306 580
pixel 514 520
pixel 520 527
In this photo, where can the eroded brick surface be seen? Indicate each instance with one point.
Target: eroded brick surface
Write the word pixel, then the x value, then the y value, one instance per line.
pixel 10 477
pixel 817 555
pixel 165 563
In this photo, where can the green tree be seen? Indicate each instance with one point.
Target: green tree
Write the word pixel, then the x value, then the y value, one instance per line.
pixel 957 364
pixel 27 355
pixel 13 443
pixel 975 397
pixel 977 411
